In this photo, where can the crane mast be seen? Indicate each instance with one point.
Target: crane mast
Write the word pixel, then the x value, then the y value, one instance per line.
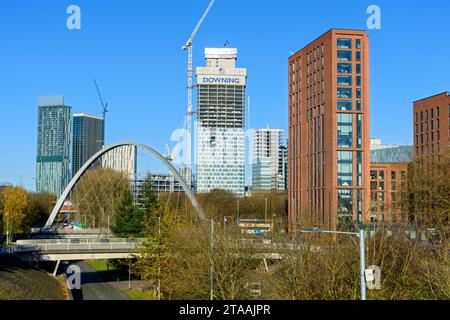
pixel 104 110
pixel 190 73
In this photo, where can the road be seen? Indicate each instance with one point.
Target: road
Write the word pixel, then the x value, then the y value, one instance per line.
pixel 93 286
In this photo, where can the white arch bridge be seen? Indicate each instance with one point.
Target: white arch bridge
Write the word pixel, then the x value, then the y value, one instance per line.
pixel 104 151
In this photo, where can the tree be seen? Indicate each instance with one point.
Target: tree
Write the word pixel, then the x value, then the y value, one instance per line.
pixel 98 193
pixel 429 193
pixel 16 208
pixel 41 205
pixel 148 201
pixel 128 218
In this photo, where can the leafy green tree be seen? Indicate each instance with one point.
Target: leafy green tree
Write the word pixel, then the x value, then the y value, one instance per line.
pixel 128 218
pixel 148 203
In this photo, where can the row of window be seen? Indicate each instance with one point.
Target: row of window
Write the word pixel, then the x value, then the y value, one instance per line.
pixel 434 124
pixel 345 105
pixel 427 140
pixel 380 175
pixel 347 93
pixel 343 43
pixel 428 114
pixel 348 81
pixel 348 55
pixel 348 68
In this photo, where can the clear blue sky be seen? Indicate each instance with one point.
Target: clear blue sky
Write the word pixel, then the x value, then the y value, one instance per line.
pixel 133 49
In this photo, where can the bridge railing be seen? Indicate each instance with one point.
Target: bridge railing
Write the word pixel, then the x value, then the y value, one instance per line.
pixel 78 241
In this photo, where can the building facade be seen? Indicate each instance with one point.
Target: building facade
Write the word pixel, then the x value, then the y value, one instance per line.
pixel 388 184
pixel 87 139
pixel 53 145
pixel 269 160
pixel 122 159
pixel 221 123
pixel 431 124
pixel 329 131
pixel 161 183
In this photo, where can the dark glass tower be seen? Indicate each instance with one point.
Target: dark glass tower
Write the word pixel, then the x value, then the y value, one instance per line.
pixel 87 139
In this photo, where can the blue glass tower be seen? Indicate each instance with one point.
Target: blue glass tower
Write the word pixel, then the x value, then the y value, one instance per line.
pixel 53 145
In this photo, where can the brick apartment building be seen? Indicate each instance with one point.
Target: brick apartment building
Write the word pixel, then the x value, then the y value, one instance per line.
pixel 431 124
pixel 329 131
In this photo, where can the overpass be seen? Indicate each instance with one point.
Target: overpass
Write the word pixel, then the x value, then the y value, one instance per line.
pixel 77 249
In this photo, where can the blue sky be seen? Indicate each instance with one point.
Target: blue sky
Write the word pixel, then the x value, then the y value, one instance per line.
pixel 133 49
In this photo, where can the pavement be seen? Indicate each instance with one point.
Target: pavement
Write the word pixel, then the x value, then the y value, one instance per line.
pixel 93 286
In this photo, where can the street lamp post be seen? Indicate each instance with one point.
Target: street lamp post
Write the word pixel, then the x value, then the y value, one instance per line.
pixel 238 214
pixel 7 228
pixel 265 212
pixel 362 254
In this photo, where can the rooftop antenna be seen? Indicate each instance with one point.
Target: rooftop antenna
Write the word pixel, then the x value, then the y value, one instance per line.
pixel 104 110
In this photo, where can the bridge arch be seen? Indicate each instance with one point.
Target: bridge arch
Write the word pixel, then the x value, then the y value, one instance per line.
pixel 102 152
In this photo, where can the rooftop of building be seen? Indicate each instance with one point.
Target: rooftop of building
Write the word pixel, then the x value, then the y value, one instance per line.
pixel 50 101
pixel 393 155
pixel 434 96
pixel 221 53
pixel 329 31
pixel 85 115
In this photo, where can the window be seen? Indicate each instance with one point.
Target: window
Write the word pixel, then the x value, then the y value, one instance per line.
pixel 358 68
pixel 344 43
pixel 358 93
pixel 393 175
pixel 393 185
pixel 345 130
pixel 359 168
pixel 416 117
pixel 345 168
pixel 374 186
pixel 344 80
pixel 358 81
pixel 345 202
pixel 359 105
pixel 344 55
pixel 358 43
pixel 344 68
pixel 344 105
pixel 358 55
pixel 373 175
pixel 381 186
pixel 359 130
pixel 381 175
pixel 344 93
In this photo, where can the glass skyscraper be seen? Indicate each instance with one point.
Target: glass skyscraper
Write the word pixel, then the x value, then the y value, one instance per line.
pixel 53 145
pixel 269 160
pixel 221 123
pixel 87 139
